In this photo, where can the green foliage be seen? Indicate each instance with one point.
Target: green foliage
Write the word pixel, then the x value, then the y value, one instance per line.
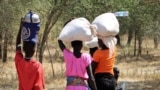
pixel 143 16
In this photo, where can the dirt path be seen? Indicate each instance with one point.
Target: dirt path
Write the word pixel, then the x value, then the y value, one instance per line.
pixel 139 85
pixel 9 81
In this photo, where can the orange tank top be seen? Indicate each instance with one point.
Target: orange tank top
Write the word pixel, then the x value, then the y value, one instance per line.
pixel 105 61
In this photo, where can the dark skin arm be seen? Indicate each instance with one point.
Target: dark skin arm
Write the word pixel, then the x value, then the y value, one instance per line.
pixel 18 39
pixel 94 65
pixel 91 79
pixel 91 52
pixel 61 45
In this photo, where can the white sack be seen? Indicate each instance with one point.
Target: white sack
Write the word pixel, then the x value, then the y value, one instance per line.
pixel 77 29
pixel 93 43
pixel 110 42
pixel 107 24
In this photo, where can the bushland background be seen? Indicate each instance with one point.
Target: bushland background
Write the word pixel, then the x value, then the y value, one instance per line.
pixel 138 49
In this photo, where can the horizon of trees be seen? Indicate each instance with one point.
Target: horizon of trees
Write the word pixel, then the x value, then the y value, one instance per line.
pixel 143 20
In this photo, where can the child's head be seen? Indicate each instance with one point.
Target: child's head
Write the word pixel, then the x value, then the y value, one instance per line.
pixel 77 45
pixel 29 49
pixel 92 50
pixel 101 44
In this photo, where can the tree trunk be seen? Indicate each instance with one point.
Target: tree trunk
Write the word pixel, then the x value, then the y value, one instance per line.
pixel 52 19
pixel 5 46
pixel 130 36
pixel 1 45
pixel 155 39
pixel 139 46
pixel 135 43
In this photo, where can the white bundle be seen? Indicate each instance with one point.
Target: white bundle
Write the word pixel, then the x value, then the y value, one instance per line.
pixel 93 43
pixel 110 42
pixel 32 17
pixel 106 24
pixel 77 29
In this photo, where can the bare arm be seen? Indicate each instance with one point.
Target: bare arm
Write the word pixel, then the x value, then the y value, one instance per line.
pixel 91 78
pixel 18 39
pixel 94 65
pixel 61 45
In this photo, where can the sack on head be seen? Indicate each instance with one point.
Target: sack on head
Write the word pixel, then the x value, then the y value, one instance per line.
pixel 77 29
pixel 106 24
pixel 31 27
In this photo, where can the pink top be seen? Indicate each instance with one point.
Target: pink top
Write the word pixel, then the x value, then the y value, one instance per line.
pixel 76 66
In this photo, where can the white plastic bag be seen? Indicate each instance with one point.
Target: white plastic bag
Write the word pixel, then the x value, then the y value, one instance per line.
pixel 31 17
pixel 77 29
pixel 107 24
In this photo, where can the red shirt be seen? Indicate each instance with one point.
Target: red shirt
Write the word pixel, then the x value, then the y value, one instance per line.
pixel 30 73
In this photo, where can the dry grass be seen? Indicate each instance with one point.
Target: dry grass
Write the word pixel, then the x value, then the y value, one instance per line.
pixel 136 73
pixel 8 76
pixel 142 73
pixel 139 73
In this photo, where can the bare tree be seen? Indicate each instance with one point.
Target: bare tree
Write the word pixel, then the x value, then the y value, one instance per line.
pixel 53 16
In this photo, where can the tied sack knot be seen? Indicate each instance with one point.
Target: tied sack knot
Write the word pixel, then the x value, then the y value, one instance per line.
pixel 93 30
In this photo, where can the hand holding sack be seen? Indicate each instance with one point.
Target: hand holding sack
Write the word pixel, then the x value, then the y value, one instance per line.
pixel 77 29
pixel 31 27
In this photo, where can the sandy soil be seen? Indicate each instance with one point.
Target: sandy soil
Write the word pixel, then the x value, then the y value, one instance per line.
pixel 133 75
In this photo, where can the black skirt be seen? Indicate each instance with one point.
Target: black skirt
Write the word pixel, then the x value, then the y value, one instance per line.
pixel 105 81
